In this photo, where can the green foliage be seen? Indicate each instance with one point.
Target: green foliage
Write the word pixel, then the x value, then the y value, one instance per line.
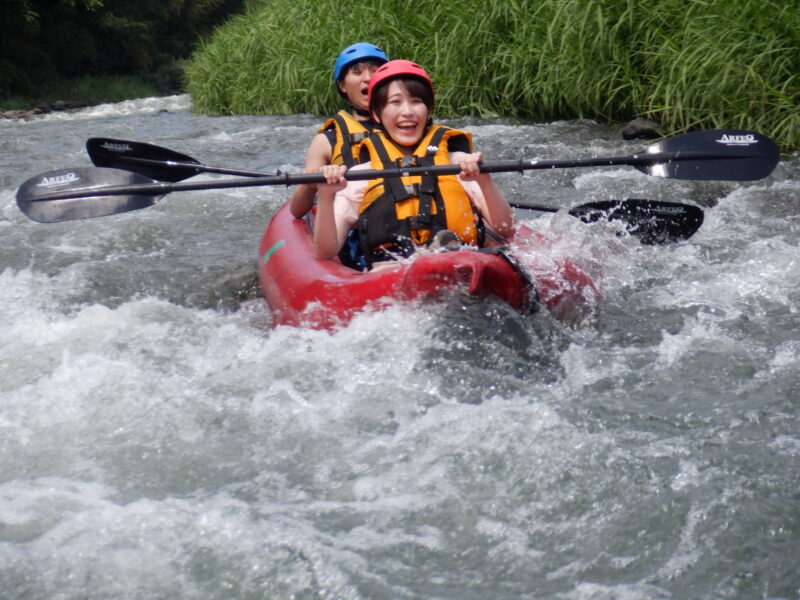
pixel 42 41
pixel 687 64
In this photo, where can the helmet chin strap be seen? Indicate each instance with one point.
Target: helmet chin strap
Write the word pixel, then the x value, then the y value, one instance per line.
pixel 361 112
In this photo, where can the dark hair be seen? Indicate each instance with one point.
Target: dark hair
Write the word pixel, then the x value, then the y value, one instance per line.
pixel 415 87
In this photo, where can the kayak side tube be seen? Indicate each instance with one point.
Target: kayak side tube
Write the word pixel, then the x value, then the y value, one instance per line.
pixel 303 290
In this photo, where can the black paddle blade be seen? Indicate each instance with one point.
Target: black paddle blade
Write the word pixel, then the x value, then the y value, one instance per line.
pixel 716 154
pixel 32 195
pixel 651 221
pixel 152 161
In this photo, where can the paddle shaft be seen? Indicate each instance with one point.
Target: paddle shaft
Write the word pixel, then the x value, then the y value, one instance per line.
pixel 650 221
pixel 82 193
pixel 243 173
pixel 520 165
pixel 195 166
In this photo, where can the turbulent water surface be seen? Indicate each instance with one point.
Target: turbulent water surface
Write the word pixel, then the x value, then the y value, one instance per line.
pixel 160 440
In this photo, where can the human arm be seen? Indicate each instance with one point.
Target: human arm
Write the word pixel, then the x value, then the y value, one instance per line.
pixel 329 231
pixel 318 155
pixel 493 205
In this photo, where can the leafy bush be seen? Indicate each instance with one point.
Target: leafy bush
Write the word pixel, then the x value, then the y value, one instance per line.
pixel 714 63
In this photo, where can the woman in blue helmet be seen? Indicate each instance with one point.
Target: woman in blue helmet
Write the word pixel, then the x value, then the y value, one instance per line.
pixel 335 140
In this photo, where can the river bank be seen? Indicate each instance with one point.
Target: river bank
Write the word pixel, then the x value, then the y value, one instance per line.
pixel 44 108
pixel 89 90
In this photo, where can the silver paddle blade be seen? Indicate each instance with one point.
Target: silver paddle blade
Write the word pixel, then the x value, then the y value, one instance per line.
pixel 33 200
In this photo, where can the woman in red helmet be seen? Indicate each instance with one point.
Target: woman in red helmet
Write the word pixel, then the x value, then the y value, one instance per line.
pixel 337 138
pixel 395 215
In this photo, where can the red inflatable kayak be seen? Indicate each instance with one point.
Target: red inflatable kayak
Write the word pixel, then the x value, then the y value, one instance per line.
pixel 302 290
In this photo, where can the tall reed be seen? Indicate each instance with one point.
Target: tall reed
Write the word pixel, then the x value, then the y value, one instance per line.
pixel 710 63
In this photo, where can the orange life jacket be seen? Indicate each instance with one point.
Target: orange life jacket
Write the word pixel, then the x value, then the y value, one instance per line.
pixel 349 133
pixel 398 213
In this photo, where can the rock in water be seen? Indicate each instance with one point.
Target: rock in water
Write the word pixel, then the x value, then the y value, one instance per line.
pixel 642 129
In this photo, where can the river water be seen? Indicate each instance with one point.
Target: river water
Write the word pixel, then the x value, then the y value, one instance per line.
pixel 159 440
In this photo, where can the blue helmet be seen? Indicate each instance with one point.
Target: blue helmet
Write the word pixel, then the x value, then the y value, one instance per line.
pixel 357 52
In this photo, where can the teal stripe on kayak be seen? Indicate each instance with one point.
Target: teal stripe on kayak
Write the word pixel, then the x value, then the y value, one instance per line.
pixel 275 247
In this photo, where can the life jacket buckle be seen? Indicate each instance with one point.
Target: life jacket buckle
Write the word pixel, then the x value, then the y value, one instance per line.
pixel 416 190
pixel 412 191
pixel 359 136
pixel 407 161
pixel 419 222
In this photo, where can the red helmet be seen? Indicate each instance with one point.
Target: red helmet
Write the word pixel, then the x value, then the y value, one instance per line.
pixel 393 70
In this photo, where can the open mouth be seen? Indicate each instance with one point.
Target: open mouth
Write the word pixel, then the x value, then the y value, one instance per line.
pixel 407 128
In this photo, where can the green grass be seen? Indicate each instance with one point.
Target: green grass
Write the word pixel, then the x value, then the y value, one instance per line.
pixel 695 64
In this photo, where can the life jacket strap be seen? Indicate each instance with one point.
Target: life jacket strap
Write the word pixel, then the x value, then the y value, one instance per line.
pixel 349 139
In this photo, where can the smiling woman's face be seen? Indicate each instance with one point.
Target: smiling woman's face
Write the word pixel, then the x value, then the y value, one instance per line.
pixel 404 116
